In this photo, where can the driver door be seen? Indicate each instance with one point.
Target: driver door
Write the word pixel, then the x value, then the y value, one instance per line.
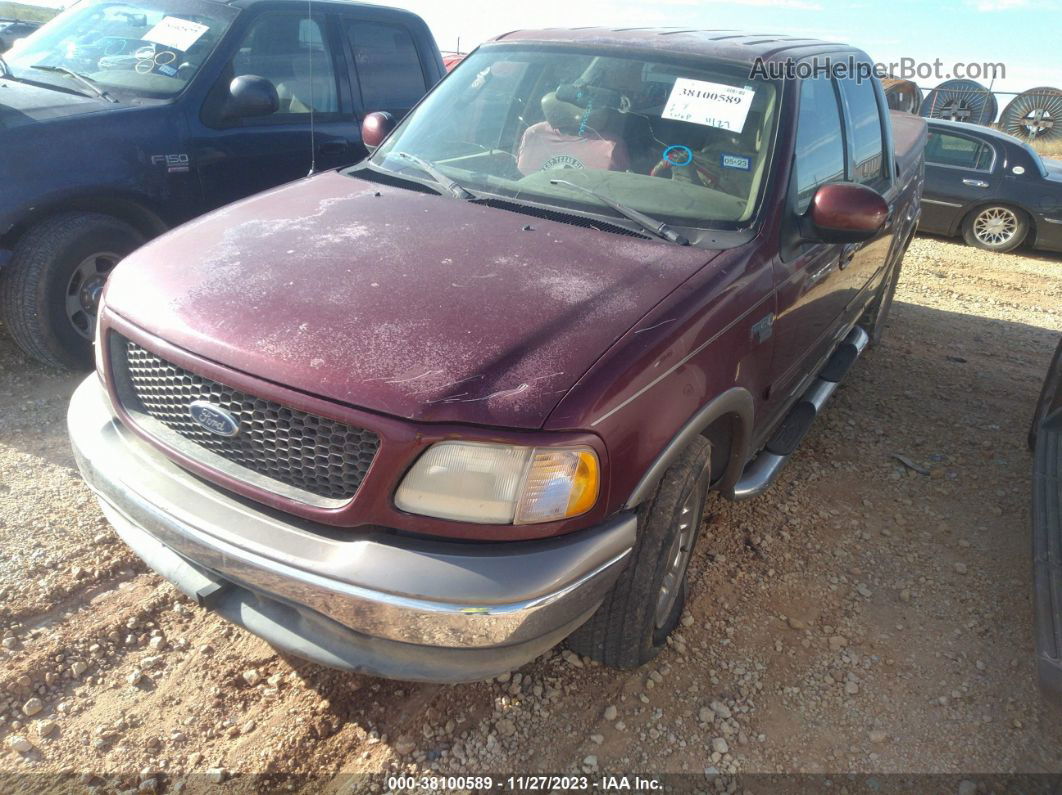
pixel 812 293
pixel 300 56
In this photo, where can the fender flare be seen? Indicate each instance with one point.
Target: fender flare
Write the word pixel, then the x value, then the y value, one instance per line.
pixel 736 402
pixel 134 209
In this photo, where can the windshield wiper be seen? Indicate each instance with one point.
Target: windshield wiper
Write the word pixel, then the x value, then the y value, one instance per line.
pixel 437 174
pixel 651 225
pixel 85 81
pixel 5 67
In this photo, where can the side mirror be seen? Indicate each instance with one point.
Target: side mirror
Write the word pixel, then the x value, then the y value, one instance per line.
pixel 251 95
pixel 375 127
pixel 843 212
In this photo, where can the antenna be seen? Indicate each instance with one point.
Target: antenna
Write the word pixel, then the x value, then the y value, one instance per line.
pixel 309 58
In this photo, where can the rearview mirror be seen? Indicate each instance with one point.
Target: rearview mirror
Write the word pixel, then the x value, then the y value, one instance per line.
pixel 375 127
pixel 250 96
pixel 843 212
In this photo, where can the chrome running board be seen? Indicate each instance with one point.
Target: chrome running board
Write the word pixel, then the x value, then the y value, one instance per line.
pixel 763 470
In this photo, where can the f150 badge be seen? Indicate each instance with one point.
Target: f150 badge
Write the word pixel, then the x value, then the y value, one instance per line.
pixel 175 164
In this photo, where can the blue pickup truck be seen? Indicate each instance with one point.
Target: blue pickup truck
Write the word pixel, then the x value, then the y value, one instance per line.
pixel 122 118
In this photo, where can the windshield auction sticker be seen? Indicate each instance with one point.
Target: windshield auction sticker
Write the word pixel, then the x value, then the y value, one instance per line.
pixel 710 104
pixel 175 33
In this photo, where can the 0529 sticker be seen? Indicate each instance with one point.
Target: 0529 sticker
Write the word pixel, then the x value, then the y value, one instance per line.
pixel 739 162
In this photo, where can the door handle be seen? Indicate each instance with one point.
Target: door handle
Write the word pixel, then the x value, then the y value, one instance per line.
pixel 975 183
pixel 332 148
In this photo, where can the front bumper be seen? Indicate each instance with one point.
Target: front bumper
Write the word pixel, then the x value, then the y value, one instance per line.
pixel 369 601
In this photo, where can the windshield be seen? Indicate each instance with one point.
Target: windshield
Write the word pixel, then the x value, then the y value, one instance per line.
pixel 684 142
pixel 142 49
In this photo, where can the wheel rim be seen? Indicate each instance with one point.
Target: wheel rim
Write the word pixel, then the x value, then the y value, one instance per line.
pixel 678 557
pixel 995 226
pixel 84 289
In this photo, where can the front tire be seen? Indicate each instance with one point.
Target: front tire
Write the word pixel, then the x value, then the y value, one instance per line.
pixel 646 603
pixel 997 227
pixel 49 292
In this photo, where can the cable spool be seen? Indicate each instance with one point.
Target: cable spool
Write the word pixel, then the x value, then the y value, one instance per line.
pixel 961 100
pixel 1035 115
pixel 902 94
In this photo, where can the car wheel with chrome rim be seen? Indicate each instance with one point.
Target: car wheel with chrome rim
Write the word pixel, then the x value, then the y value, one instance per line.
pixel 646 604
pixel 997 227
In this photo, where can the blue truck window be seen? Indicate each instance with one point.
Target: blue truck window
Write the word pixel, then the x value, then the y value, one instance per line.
pixel 289 51
pixel 389 71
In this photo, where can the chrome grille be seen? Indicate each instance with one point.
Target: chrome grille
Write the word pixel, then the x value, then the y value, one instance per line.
pixel 303 451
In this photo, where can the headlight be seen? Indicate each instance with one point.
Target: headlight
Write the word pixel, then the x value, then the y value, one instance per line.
pixel 501 484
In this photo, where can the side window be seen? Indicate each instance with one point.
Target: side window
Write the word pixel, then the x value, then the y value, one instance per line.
pixel 819 141
pixel 389 71
pixel 289 51
pixel 958 151
pixel 861 101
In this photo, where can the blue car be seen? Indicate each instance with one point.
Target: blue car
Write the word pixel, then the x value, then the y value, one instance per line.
pixel 122 118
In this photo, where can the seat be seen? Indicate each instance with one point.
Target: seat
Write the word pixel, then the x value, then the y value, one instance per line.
pixel 571 137
pixel 313 86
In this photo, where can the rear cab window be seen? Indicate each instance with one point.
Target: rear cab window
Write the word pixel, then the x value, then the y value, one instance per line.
pixel 867 142
pixel 389 71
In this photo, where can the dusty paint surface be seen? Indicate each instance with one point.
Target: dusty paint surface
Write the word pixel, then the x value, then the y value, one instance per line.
pixel 415 305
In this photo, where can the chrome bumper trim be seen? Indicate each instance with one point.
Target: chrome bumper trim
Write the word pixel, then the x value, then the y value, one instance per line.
pixel 431 593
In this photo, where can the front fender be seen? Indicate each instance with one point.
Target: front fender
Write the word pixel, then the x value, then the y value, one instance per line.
pixel 736 403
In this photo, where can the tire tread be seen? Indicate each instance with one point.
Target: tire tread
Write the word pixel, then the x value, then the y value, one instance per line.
pixel 615 634
pixel 24 282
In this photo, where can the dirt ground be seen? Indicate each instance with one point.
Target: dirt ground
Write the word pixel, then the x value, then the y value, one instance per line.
pixel 859 618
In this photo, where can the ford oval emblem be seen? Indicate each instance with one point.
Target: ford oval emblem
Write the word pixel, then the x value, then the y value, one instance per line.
pixel 214 418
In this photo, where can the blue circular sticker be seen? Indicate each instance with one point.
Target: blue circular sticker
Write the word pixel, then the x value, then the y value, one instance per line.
pixel 678 155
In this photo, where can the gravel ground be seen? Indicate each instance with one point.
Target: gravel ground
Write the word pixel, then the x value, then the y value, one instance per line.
pixel 861 617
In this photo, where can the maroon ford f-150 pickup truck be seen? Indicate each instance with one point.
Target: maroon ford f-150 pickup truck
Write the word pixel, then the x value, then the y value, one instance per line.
pixel 429 416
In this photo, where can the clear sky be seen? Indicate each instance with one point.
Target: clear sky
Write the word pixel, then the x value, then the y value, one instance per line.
pixel 1025 35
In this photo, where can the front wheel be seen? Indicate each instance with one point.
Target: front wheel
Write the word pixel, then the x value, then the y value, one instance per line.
pixel 996 228
pixel 646 603
pixel 50 291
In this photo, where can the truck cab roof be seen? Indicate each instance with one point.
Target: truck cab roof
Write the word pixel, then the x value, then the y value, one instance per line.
pixel 731 45
pixel 244 4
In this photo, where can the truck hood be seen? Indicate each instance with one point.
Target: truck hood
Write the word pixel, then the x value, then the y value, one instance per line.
pixel 414 305
pixel 22 104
